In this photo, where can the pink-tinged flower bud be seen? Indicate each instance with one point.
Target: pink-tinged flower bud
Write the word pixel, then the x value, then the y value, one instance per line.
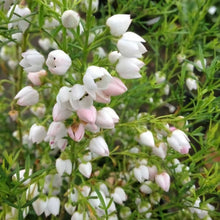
pixel 76 131
pixel 36 77
pixel 61 112
pixel 147 139
pixel 87 115
pixel 163 181
pixel 128 68
pixel 160 151
pixel 114 56
pixel 57 129
pixel 92 127
pixel 95 79
pixel 106 118
pixel 130 45
pixel 70 19
pixel 98 145
pixel 101 97
pixel 18 13
pixel 119 196
pixel 53 205
pixel 115 87
pixel 27 96
pixel 141 173
pixel 37 133
pixel 179 141
pixel 32 61
pixel 79 98
pixel 39 206
pixel 13 115
pixel 58 62
pixel 118 24
pixel 85 169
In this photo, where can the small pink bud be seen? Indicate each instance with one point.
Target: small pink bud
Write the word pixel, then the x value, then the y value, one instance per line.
pixel 36 77
pixel 76 132
pixel 115 87
pixel 163 181
pixel 87 115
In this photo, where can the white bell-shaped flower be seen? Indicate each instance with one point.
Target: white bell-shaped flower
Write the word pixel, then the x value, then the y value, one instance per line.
pixel 99 146
pixel 85 169
pixel 58 62
pixel 163 181
pixel 61 112
pixel 37 133
pixel 161 150
pixel 179 141
pixel 141 173
pixel 32 61
pixel 63 166
pixel 128 68
pixel 96 79
pixel 119 196
pixel 53 206
pixel 118 24
pixel 18 13
pixel 146 138
pixel 27 96
pixel 106 118
pixel 39 206
pixel 130 45
pixel 191 83
pixel 79 98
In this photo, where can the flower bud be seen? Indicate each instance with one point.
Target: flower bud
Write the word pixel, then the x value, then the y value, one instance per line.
pixel 146 138
pixel 163 181
pixel 36 77
pixel 53 205
pixel 70 19
pixel 76 131
pixel 87 115
pixel 63 166
pixel 119 196
pixel 39 206
pixel 114 56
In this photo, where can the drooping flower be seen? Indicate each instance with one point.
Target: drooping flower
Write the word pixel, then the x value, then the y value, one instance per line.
pixel 39 206
pixel 146 138
pixel 37 133
pixel 63 166
pixel 118 24
pixel 85 169
pixel 27 96
pixel 53 206
pixel 99 146
pixel 61 112
pixel 79 98
pixel 106 118
pixel 141 173
pixel 70 19
pixel 191 83
pixel 36 77
pixel 128 68
pixel 87 115
pixel 114 56
pixel 130 45
pixel 161 150
pixel 15 21
pixel 119 196
pixel 96 79
pixel 179 141
pixel 115 87
pixel 163 181
pixel 58 62
pixel 32 61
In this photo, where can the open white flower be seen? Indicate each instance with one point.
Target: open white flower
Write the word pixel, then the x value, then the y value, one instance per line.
pixel 27 96
pixel 96 79
pixel 128 68
pixel 32 61
pixel 79 98
pixel 118 24
pixel 58 62
pixel 130 45
pixel 37 133
pixel 99 146
pixel 15 21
